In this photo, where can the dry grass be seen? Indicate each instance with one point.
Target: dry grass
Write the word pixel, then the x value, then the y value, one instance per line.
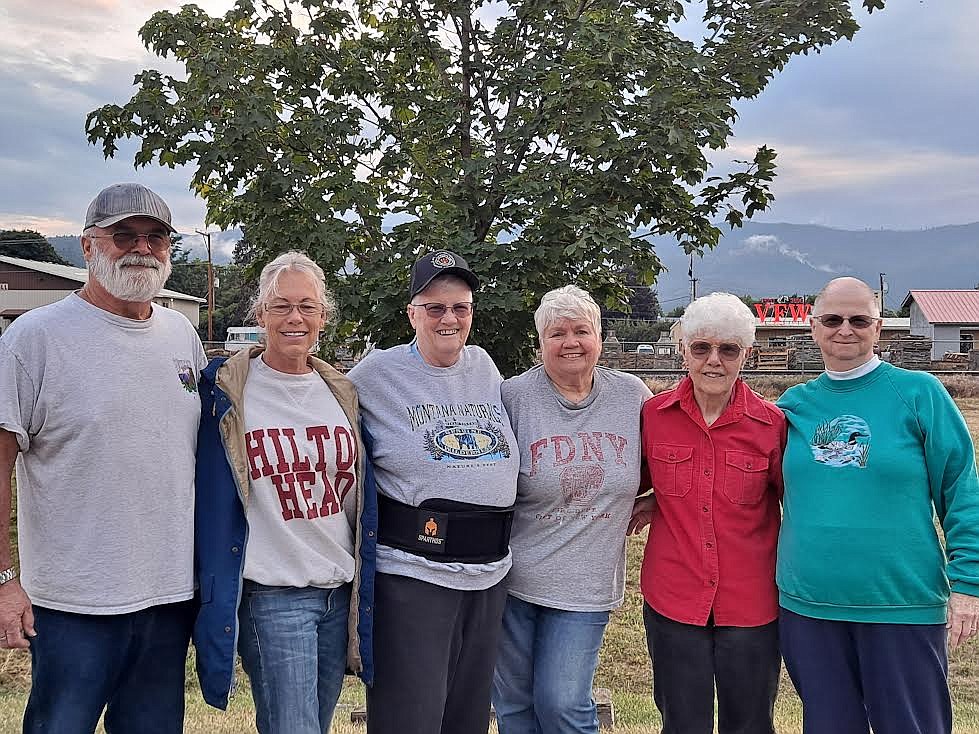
pixel 623 667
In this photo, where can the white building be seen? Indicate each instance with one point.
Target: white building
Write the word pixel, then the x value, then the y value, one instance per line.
pixel 949 318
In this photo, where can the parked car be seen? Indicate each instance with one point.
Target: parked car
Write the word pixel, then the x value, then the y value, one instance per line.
pixel 645 349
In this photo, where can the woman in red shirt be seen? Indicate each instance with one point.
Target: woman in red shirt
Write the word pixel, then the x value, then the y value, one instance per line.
pixel 712 449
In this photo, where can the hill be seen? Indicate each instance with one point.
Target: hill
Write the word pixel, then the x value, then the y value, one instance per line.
pixel 781 259
pixel 222 246
pixel 767 259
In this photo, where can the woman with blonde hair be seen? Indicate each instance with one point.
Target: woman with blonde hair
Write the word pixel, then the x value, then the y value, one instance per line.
pixel 285 515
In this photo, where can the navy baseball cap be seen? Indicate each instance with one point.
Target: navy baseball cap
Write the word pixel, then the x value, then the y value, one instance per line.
pixel 434 264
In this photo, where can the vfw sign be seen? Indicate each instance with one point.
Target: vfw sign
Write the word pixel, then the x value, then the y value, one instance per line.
pixel 783 309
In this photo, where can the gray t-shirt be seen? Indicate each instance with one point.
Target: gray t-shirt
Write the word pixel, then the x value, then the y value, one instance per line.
pixel 439 432
pixel 579 474
pixel 105 410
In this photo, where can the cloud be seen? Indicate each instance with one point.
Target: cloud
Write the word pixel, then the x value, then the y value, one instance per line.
pixel 767 244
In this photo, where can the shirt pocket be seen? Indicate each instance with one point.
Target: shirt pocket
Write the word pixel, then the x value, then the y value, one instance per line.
pixel 672 469
pixel 746 477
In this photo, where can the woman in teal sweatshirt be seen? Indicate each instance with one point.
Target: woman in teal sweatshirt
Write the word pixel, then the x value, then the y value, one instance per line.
pixel 866 589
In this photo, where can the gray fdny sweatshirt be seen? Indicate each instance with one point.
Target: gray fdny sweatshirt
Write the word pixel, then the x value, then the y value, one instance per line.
pixel 579 473
pixel 438 432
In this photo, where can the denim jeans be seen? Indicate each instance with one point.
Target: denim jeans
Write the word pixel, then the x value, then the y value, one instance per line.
pixel 293 645
pixel 131 665
pixel 545 669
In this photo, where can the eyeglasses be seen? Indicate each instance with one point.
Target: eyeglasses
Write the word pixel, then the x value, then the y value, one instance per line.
pixel 835 321
pixel 127 240
pixel 306 308
pixel 728 352
pixel 437 310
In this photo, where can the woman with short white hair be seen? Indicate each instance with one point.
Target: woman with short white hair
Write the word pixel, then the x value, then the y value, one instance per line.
pixel 713 449
pixel 577 427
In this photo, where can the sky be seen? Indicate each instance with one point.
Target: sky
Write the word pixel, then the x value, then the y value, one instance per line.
pixel 875 133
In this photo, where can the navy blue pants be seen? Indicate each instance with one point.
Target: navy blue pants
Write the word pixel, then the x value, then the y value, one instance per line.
pixel 130 665
pixel 854 675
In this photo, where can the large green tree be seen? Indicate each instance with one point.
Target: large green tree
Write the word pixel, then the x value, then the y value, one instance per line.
pixel 544 140
pixel 28 245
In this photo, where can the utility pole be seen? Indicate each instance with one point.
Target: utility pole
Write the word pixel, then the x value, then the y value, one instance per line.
pixel 210 285
pixel 693 281
pixel 882 293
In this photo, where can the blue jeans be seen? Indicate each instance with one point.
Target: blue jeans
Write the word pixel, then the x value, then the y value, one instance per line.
pixel 545 669
pixel 131 665
pixel 293 645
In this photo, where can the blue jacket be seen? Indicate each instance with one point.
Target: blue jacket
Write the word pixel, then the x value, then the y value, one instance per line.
pixel 221 532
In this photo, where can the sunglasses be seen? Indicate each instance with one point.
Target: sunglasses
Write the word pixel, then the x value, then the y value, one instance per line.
pixel 127 240
pixel 727 351
pixel 437 310
pixel 835 321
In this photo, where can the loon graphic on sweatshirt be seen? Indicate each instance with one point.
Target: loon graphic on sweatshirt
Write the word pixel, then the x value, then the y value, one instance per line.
pixel 842 441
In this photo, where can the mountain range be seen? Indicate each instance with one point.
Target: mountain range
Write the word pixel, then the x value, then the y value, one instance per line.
pixel 769 259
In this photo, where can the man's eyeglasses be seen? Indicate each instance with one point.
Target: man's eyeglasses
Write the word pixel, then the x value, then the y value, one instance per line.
pixel 306 308
pixel 437 310
pixel 727 351
pixel 158 242
pixel 835 321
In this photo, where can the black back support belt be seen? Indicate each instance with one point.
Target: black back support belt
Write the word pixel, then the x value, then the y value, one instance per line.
pixel 445 530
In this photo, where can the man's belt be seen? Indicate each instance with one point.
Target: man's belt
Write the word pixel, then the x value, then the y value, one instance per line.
pixel 445 530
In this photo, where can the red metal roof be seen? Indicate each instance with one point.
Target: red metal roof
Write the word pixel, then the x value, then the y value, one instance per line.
pixel 947 307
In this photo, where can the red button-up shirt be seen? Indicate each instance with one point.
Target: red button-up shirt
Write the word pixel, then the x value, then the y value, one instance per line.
pixel 711 544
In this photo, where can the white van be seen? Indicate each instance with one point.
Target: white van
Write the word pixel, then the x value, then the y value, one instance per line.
pixel 243 337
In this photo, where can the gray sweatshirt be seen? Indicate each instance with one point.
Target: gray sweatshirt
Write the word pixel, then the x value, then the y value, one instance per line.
pixel 439 432
pixel 579 473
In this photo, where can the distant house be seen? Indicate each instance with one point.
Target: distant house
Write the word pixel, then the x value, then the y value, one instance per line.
pixel 27 284
pixel 949 318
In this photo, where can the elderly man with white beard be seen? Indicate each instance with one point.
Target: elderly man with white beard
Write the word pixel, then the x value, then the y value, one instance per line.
pixel 99 410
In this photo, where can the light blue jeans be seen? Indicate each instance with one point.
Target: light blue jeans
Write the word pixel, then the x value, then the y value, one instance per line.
pixel 545 669
pixel 293 645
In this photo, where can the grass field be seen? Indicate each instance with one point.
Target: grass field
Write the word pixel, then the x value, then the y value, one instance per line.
pixel 624 668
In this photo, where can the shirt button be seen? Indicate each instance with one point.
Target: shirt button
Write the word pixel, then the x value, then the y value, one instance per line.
pixel 705 509
pixel 234 549
pixel 710 545
pixel 713 583
pixel 370 533
pixel 227 629
pixel 672 456
pixel 706 472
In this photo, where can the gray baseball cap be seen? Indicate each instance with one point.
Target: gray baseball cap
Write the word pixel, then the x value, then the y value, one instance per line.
pixel 123 200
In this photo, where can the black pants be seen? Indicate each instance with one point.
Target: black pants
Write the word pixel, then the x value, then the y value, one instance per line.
pixel 689 660
pixel 434 654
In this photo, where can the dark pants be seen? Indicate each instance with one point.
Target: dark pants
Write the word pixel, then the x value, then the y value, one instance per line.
pixel 131 665
pixel 434 654
pixel 689 661
pixel 854 675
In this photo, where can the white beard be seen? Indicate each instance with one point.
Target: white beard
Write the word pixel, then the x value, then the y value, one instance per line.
pixel 127 283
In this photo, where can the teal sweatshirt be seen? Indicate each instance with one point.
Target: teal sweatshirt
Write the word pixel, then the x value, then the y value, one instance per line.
pixel 869 463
